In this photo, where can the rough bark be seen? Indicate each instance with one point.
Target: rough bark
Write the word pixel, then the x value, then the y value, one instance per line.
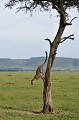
pixel 47 97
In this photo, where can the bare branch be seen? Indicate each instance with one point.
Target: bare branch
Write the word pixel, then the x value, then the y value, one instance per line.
pixel 68 37
pixel 71 21
pixel 48 40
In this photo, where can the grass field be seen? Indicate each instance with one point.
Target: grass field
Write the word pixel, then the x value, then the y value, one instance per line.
pixel 21 101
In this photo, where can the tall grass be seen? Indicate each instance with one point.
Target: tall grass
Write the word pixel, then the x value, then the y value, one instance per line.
pixel 21 101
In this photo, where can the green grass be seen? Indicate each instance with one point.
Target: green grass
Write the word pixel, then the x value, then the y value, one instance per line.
pixel 21 101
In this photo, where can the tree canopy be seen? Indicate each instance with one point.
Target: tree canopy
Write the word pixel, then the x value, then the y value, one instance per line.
pixel 46 5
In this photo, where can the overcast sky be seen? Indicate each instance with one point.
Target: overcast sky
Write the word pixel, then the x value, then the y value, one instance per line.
pixel 22 36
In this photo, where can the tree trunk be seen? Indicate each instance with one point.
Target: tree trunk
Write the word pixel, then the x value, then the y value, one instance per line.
pixel 47 97
pixel 47 108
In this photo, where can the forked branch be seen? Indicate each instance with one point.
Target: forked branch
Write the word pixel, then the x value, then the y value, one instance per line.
pixel 57 8
pixel 68 37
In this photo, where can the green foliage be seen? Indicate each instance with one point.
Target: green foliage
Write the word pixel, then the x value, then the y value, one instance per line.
pixel 21 101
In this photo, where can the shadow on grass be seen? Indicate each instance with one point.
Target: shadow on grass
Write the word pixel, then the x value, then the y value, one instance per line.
pixel 33 112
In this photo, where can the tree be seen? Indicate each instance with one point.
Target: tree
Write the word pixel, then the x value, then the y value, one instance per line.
pixel 61 7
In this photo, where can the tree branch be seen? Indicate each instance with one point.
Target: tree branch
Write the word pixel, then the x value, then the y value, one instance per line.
pixel 57 8
pixel 68 37
pixel 71 21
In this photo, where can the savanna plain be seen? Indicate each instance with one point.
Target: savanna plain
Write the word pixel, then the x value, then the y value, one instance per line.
pixel 21 101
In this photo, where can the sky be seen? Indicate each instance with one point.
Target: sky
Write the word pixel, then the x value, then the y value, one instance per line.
pixel 22 36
